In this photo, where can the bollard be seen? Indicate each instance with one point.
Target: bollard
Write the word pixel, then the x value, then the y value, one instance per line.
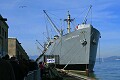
pixel 87 72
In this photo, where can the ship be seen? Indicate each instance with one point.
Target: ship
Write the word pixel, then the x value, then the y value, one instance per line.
pixel 75 50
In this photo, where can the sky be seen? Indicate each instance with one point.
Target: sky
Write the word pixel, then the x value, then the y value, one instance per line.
pixel 27 22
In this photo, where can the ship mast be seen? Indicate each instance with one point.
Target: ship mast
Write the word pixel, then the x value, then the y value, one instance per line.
pixel 68 20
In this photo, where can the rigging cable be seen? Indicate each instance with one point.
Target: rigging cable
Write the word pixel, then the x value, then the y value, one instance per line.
pixel 71 59
pixel 67 53
pixel 48 37
pixel 74 54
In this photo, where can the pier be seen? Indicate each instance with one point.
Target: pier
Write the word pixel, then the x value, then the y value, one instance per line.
pixel 32 71
pixel 52 73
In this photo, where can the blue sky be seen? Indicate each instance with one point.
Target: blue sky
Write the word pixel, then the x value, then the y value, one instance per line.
pixel 27 23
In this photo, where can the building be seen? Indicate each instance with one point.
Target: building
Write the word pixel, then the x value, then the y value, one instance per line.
pixel 15 49
pixel 3 36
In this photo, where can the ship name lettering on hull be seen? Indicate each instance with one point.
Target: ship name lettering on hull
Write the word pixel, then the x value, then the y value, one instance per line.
pixel 72 37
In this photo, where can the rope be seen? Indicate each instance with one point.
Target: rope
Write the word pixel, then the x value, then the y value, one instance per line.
pixel 76 54
pixel 71 49
pixel 70 60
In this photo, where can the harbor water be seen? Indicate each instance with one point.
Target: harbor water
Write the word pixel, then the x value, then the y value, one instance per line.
pixel 107 70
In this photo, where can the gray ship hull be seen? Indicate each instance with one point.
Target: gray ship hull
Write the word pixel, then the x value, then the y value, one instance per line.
pixel 77 49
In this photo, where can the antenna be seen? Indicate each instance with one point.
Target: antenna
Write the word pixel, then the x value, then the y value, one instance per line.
pixel 68 20
pixel 56 29
pixel 85 19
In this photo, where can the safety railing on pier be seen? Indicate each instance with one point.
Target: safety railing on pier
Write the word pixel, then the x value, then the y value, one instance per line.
pixel 33 75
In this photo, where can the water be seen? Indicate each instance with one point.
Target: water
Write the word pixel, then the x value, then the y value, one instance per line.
pixel 108 70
